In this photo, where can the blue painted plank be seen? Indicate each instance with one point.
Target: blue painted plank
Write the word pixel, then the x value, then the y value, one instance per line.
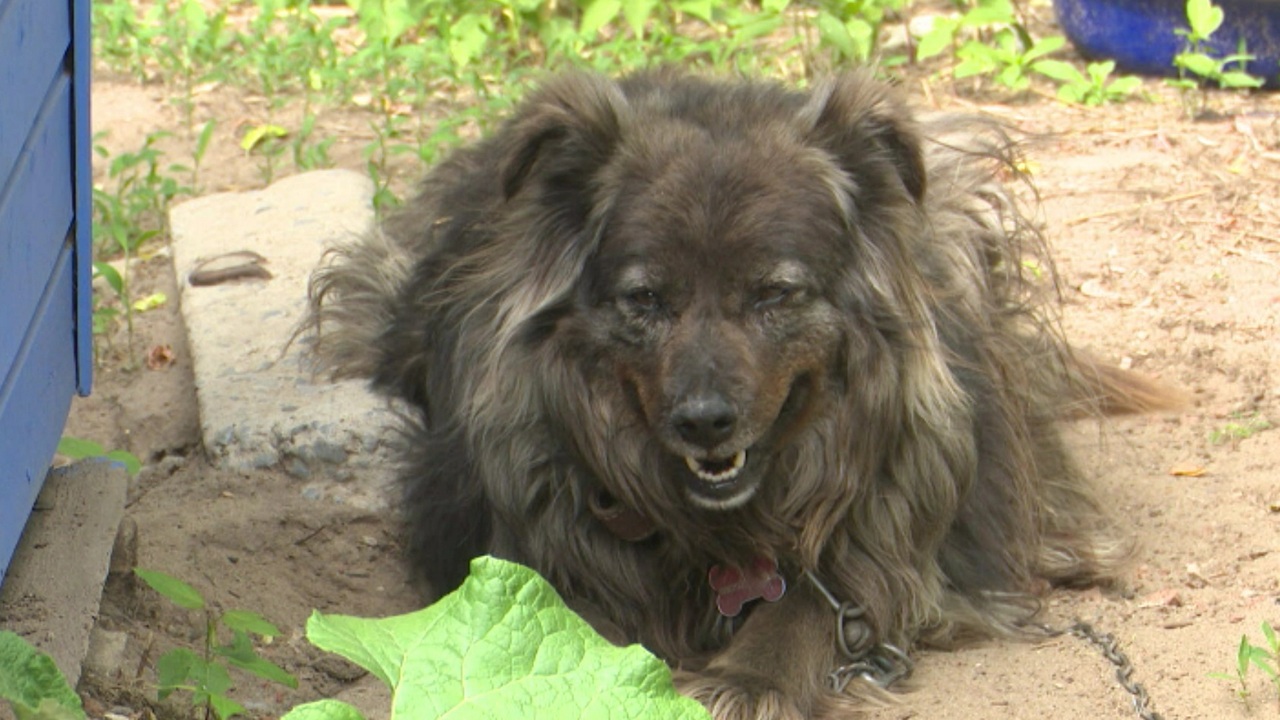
pixel 35 216
pixel 34 37
pixel 82 127
pixel 34 401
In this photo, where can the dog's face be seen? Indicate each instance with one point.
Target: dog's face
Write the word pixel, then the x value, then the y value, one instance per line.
pixel 712 295
pixel 732 264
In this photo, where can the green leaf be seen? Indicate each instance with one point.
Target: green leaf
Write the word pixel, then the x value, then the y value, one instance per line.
pixel 637 13
pixel 250 622
pixel 834 33
pixel 324 710
pixel 177 591
pixel 1061 71
pixel 1204 16
pixel 1243 655
pixel 32 684
pixel 1238 79
pixel 597 14
pixel 939 38
pixel 704 10
pixel 468 38
pixel 499 645
pixel 131 463
pixel 150 302
pixel 993 12
pixel 1269 633
pixel 1044 47
pixel 111 275
pixel 1197 63
pixel 173 670
pixel 1076 94
pixel 1126 85
pixel 240 654
pixel 78 448
pixel 258 134
pixel 224 707
pixel 202 141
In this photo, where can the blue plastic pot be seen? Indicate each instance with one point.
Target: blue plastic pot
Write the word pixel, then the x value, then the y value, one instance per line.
pixel 1139 34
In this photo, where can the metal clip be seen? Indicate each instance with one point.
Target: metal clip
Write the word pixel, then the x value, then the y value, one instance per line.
pixel 883 666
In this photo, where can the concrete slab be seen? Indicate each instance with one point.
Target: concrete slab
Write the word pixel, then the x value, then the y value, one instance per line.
pixel 260 405
pixel 54 585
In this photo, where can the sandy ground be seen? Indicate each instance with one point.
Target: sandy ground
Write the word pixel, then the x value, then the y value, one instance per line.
pixel 1167 234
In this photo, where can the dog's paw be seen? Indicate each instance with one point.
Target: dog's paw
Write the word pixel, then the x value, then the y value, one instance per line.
pixel 738 697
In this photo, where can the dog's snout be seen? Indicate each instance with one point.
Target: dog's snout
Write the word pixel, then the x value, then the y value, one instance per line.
pixel 705 421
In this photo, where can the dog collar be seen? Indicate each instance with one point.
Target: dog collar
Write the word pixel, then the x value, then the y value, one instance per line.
pixel 626 523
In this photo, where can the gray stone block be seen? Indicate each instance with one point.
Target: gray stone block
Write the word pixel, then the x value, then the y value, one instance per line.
pixel 261 406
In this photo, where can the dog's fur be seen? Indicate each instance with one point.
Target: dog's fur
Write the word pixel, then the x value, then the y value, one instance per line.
pixel 632 279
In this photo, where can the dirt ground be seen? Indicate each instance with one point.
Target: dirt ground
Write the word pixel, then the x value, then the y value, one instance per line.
pixel 1167 237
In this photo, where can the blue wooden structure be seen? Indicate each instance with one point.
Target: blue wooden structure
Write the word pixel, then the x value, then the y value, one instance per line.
pixel 45 266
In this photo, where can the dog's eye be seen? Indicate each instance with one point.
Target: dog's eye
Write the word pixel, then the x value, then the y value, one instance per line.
pixel 775 295
pixel 643 299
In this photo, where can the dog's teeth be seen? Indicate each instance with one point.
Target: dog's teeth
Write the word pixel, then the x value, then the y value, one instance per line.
pixel 728 473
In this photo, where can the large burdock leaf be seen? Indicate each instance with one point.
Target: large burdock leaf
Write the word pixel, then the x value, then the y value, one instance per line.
pixel 504 645
pixel 32 684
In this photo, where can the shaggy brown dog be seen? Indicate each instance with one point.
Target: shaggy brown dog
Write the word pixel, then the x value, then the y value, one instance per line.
pixel 679 344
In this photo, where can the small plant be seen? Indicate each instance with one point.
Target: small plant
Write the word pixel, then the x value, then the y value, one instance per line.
pixel 853 28
pixel 1011 57
pixel 79 449
pixel 1204 19
pixel 1003 48
pixel 308 155
pixel 267 141
pixel 1239 428
pixel 1098 87
pixel 206 674
pixel 1264 657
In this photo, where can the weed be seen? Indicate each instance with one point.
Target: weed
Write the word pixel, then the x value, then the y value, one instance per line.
pixel 79 449
pixel 1003 48
pixel 1264 657
pixel 1239 428
pixel 1098 87
pixel 197 155
pixel 852 28
pixel 306 154
pixel 1196 66
pixel 266 141
pixel 206 674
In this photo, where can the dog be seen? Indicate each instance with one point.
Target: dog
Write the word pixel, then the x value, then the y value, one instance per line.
pixel 767 380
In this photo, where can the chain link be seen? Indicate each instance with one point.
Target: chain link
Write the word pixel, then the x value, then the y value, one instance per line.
pixel 1109 647
pixel 884 664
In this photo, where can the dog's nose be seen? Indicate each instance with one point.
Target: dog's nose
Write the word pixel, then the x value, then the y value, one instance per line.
pixel 704 421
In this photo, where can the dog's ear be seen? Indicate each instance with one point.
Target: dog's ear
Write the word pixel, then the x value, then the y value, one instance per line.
pixel 863 123
pixel 565 130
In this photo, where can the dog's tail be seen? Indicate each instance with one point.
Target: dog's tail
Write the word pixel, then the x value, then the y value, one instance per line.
pixel 350 304
pixel 1102 388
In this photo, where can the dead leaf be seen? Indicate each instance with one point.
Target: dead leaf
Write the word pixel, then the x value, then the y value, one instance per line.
pixel 1095 289
pixel 1187 470
pixel 1168 597
pixel 160 357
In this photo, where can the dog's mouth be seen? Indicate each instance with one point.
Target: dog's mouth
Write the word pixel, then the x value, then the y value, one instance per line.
pixel 718 483
pixel 717 472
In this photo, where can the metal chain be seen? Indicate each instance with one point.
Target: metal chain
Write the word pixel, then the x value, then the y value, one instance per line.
pixel 880 664
pixel 884 664
pixel 1107 644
